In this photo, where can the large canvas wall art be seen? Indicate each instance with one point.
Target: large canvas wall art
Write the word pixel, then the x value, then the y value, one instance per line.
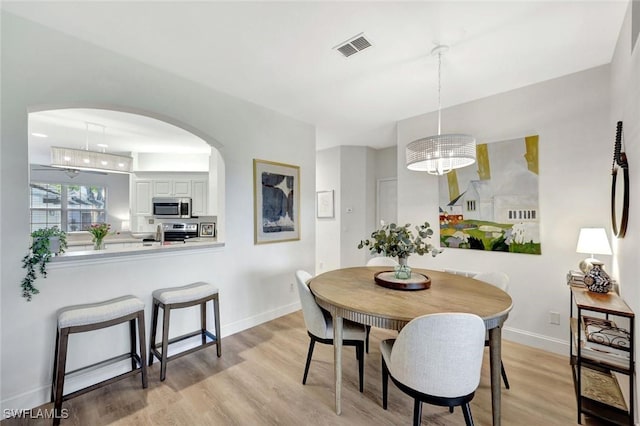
pixel 276 199
pixel 493 205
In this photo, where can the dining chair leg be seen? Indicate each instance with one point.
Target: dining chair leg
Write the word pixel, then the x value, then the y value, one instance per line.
pixel 466 410
pixel 385 384
pixel 312 343
pixel 504 376
pixel 417 412
pixel 360 356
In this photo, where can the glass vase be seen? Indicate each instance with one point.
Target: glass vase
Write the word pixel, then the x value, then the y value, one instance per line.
pixel 98 244
pixel 402 270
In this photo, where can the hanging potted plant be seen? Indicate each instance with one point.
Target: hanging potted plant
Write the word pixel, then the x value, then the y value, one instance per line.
pixel 45 243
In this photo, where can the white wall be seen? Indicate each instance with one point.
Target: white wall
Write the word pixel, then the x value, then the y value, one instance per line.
pixel 170 162
pixel 571 116
pixel 357 182
pixel 385 160
pixel 40 68
pixel 328 229
pixel 353 171
pixel 625 106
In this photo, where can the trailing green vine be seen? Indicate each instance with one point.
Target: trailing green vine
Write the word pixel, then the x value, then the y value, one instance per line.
pixel 39 255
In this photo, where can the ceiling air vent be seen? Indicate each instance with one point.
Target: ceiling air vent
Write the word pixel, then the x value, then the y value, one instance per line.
pixel 353 45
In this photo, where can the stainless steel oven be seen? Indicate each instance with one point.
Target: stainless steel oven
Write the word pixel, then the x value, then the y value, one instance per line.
pixel 171 207
pixel 178 231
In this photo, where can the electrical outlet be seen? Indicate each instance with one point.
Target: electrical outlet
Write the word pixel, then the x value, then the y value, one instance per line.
pixel 554 318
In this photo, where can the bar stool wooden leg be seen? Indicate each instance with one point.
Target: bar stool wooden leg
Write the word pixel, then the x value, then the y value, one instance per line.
pixel 154 330
pixel 55 366
pixel 165 342
pixel 133 343
pixel 216 314
pixel 61 363
pixel 143 349
pixel 203 321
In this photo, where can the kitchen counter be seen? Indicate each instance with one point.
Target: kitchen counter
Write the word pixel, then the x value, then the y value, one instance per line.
pixel 137 247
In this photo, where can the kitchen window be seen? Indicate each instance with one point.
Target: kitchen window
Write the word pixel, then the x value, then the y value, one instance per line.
pixel 70 207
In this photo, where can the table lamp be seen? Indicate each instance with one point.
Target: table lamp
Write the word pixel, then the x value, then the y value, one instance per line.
pixel 592 241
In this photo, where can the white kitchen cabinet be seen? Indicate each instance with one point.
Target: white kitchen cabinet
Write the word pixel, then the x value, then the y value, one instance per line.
pixel 142 191
pixel 172 188
pixel 146 186
pixel 199 197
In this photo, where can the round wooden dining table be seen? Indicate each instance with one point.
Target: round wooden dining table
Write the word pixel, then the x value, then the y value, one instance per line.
pixel 352 293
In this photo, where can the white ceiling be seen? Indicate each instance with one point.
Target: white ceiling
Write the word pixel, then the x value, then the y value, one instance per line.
pixel 122 132
pixel 280 54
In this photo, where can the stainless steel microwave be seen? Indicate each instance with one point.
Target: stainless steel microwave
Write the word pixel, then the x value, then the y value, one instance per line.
pixel 171 207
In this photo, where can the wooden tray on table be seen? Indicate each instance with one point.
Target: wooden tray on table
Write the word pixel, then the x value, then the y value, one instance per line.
pixel 417 281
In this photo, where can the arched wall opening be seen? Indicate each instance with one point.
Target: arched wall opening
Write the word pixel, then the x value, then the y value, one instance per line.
pixel 165 152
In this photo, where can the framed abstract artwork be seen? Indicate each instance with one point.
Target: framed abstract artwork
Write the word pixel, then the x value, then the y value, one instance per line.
pixel 276 202
pixel 324 204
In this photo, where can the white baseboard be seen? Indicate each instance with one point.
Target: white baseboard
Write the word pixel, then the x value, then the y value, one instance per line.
pixel 41 395
pixel 246 323
pixel 538 341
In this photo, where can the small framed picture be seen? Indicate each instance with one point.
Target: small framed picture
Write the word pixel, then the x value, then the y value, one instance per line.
pixel 207 229
pixel 324 201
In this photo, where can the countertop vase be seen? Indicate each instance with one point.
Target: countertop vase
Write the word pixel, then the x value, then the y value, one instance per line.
pixel 98 244
pixel 402 271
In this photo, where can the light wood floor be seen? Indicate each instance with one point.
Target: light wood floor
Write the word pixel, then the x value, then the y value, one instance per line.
pixel 258 382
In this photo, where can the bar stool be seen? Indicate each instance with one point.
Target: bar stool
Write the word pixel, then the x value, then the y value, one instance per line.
pixel 94 316
pixel 198 293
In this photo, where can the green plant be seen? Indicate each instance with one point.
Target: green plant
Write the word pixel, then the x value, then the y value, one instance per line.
pixel 39 255
pixel 399 241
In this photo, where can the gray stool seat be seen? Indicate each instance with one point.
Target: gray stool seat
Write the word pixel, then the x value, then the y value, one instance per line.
pixel 95 316
pixel 186 293
pixel 194 294
pixel 94 313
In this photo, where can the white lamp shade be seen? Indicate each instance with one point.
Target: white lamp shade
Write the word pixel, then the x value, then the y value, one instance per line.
pixel 593 241
pixel 439 154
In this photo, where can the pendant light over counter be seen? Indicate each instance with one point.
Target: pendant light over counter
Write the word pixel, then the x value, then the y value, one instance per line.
pixel 84 159
pixel 439 154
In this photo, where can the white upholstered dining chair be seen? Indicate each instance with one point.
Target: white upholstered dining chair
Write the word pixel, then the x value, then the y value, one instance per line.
pixel 320 327
pixel 382 261
pixel 500 280
pixel 436 359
